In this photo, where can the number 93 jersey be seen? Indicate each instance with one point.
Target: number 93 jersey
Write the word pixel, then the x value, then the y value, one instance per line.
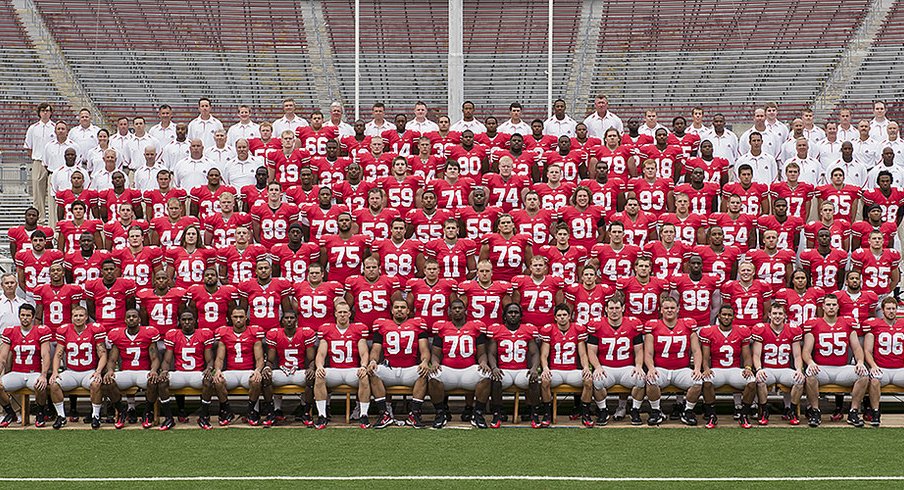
pixel 459 345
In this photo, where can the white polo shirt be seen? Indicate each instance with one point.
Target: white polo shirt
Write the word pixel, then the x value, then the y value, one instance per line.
pixel 164 135
pixel 136 149
pixel 9 311
pixel 239 173
pixel 778 128
pixel 810 170
pixel 425 126
pixel 789 150
pixel 598 125
pixel 878 130
pixel 240 131
pixel 704 132
pixel 345 129
pixel 36 138
pixel 560 127
pixel 849 134
pixel 173 152
pixel 84 138
pixel 725 146
pixel 61 180
pixel 854 172
pixel 283 124
pixel 189 173
pixel 868 152
pixel 651 132
pixel 374 129
pixel 898 147
pixel 765 168
pixel 474 125
pixel 95 158
pixel 121 143
pixel 829 151
pixel 102 180
pixel 897 176
pixel 510 127
pixel 204 129
pixel 145 178
pixel 54 154
pixel 814 135
pixel 219 156
pixel 771 142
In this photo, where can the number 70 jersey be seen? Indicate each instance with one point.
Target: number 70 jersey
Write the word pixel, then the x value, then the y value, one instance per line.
pixel 459 344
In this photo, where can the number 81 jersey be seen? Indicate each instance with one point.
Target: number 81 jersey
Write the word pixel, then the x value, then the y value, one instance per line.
pixel 459 345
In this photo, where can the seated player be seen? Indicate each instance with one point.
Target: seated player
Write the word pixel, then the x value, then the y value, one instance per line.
pixel 399 356
pixel 290 356
pixel 459 362
pixel 725 348
pixel 135 346
pixel 239 363
pixel 346 345
pixel 828 343
pixel 514 359
pixel 882 349
pixel 187 363
pixel 28 367
pixel 777 360
pixel 81 347
pixel 563 361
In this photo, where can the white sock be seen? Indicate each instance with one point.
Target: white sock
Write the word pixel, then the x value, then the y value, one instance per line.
pixel 737 400
pixel 95 410
pixel 131 401
pixel 321 408
pixel 60 409
pixel 636 403
pixel 622 403
pixel 689 405
pixel 277 402
pixel 601 404
pixel 655 405
pixel 364 407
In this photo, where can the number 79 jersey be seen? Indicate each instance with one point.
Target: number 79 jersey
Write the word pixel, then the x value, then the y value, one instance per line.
pixel 342 345
pixel 26 348
pixel 459 345
pixel 239 346
pixel 563 346
pixel 725 349
pixel 133 351
pixel 400 342
pixel 512 345
pixel 188 350
pixel 671 346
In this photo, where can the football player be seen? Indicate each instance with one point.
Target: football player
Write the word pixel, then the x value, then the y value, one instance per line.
pixel 26 350
pixel 187 362
pixel 726 348
pixel 290 356
pixel 882 349
pixel 345 344
pixel 135 346
pixel 239 362
pixel 563 361
pixel 777 360
pixel 81 347
pixel 514 359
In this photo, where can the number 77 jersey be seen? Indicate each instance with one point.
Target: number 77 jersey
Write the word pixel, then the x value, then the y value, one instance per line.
pixel 671 346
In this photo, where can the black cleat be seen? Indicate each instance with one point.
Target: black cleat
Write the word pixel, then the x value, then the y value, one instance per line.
pixel 204 423
pixel 305 419
pixel 167 424
pixel 587 419
pixel 364 422
pixel 635 417
pixel 466 414
pixel 321 423
pixel 384 422
pixel 854 419
pixel 440 420
pixel 131 416
pixel 225 418
pixel 497 420
pixel 814 417
pixel 602 417
pixel 711 421
pixel 478 420
pixel 40 420
pixel 688 417
pixel 95 423
pixel 8 418
pixel 656 417
pixel 677 411
pixel 59 423
pixel 414 420
pixel 874 421
pixel 254 418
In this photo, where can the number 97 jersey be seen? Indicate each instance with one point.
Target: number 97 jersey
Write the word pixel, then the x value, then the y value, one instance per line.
pixel 400 342
pixel 459 345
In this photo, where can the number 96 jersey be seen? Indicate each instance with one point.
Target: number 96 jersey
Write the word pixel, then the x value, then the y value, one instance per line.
pixel 459 345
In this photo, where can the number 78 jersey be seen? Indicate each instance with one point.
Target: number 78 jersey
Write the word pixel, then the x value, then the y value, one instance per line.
pixel 671 346
pixel 459 345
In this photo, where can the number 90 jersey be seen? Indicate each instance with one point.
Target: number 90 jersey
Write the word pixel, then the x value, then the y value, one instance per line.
pixel 563 346
pixel 239 346
pixel 400 342
pixel 615 346
pixel 342 345
pixel 133 352
pixel 81 354
pixel 26 347
pixel 777 347
pixel 725 349
pixel 671 346
pixel 188 350
pixel 459 345
pixel 512 346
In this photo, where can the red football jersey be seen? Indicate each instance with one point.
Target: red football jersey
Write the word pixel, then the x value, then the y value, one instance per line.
pixel 507 255
pixel 665 158
pixel 860 231
pixel 108 199
pixel 719 263
pixel 239 346
pixel 606 195
pixel 425 169
pixel 615 346
pixel 354 196
pixel 252 196
pixel 667 261
pixel 564 263
pixel 637 230
pixel 584 224
pixel 671 346
pixel 749 302
pixel 512 346
pixel 616 160
pixel 110 302
pixel 302 197
pixel 375 168
pixel 702 199
pixel 589 304
pixel 288 168
pixel 751 197
pixel 425 227
pixel 801 308
pixel 685 228
pixel 787 230
pixel 887 342
pixel 67 197
pixel 831 342
pixel 189 267
pixel 843 199
pixel 208 201
pixel 695 298
pixel 824 269
pixel 563 346
pixel 798 198
pixel 213 307
pixel 400 342
pixel 478 223
pixel 371 300
pixel 116 233
pixel 537 298
pixel 523 164
pixel 316 304
pixel 274 223
pixel 140 266
pixel 642 300
pixel 772 269
pixel 398 260
pixel 860 307
pixel 459 345
pixel 264 302
pixel 712 169
pixel 170 233
pixel 725 347
pixel 569 163
pixel 485 303
pixel 84 269
pixel 876 270
pixel 737 231
pixel 352 146
pixel 291 350
pixel 223 230
pixel 615 264
pixel 70 231
pixel 80 347
pixel 26 347
pixel 889 204
pixel 293 264
pixel 162 311
pixel 840 230
pixel 375 225
pixel 344 257
pixel 328 171
pixel 554 198
pixel 400 195
pixel 57 303
pixel 689 142
pixel 22 237
pixel 449 195
pixel 431 302
pixel 777 346
pixel 133 350
pixel 188 351
pixel 240 263
pixel 505 194
pixel 155 201
pixel 653 196
pixel 342 345
pixel 314 140
pixel 37 267
pixel 538 227
pixel 471 161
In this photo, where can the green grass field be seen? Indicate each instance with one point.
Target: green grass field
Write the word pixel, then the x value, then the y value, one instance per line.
pixel 618 452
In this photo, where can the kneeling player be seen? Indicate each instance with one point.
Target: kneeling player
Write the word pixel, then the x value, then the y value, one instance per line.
pixel 882 348
pixel 459 360
pixel 669 345
pixel 514 359
pixel 135 346
pixel 81 347
pixel 828 343
pixel 187 363
pixel 28 367
pixel 725 348
pixel 345 344
pixel 777 360
pixel 290 356
pixel 239 363
pixel 563 361
pixel 404 348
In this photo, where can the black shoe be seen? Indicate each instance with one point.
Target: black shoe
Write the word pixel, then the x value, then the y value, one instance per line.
pixel 737 413
pixel 225 418
pixel 467 414
pixel 182 417
pixel 711 421
pixel 677 411
pixel 59 422
pixel 814 416
pixel 254 418
pixel 414 420
pixel 364 422
pixel 874 421
pixel 40 420
pixel 95 423
pixel 147 421
pixel 321 423
pixel 635 417
pixel 167 424
pixel 478 420
pixel 497 420
pixel 602 417
pixel 854 419
pixel 8 418
pixel 305 419
pixel 384 422
pixel 656 417
pixel 587 419
pixel 688 417
pixel 440 421
pixel 131 416
pixel 279 415
pixel 204 423
pixel 120 420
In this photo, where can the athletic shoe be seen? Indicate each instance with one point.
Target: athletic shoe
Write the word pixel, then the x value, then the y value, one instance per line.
pixel 384 422
pixel 793 419
pixel 305 419
pixel 321 423
pixel 253 418
pixel 119 423
pixel 147 421
pixel 440 420
pixel 656 417
pixel 620 413
pixel 744 421
pixel 635 417
pixel 547 420
pixel 466 414
pixel 167 424
pixel 204 423
pixel 867 414
pixel 496 422
pixel 9 418
pixel 737 413
pixel 279 415
pixel 602 417
pixel 764 416
pixel 414 420
pixel 854 419
pixel 815 417
pixel 95 423
pixel 712 421
pixel 535 421
pixel 59 422
pixel 787 414
pixel 73 417
pixel 688 417
pixel 182 417
pixel 874 421
pixel 837 414
pixel 587 419
pixel 40 420
pixel 677 411
pixel 225 418
pixel 270 420
pixel 364 422
pixel 478 420
pixel 131 416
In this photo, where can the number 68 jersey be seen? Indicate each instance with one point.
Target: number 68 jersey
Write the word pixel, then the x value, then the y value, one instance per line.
pixel 459 345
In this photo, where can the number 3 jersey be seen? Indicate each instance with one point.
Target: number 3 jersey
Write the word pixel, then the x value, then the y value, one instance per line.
pixel 239 346
pixel 81 354
pixel 26 347
pixel 342 345
pixel 831 342
pixel 133 349
pixel 400 341
pixel 512 345
pixel 725 348
pixel 459 345
pixel 188 350
pixel 563 346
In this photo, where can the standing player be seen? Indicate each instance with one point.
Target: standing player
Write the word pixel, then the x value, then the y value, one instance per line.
pixel 638 226
pixel 428 298
pixel 54 301
pixel 400 187
pixel 878 265
pixel 186 264
pixel 585 219
pixel 374 220
pixel 643 292
pixel 825 264
pixel 538 292
pixel 133 350
pixel 83 264
pixel 239 363
pixel 108 297
pixel 695 291
pixel 485 297
pixel 33 265
pixel 187 362
pixel 565 261
pixel 506 250
pixel 219 227
pixel 398 255
pixel 81 348
pixel 270 221
pixel 26 351
pixel 427 222
pixel 777 359
pixel 317 298
pixel 160 307
pixel 237 261
pixel 615 259
pixel 371 293
pixel 533 220
pixel 725 348
pixel 773 262
pixel 801 301
pixel 477 219
pixel 265 297
pixel 750 297
pixel 344 251
pixel 137 262
pixel 293 259
pixel 587 298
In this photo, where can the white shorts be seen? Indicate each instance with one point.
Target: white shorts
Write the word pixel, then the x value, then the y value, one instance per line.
pixel 515 377
pixel 70 380
pixel 679 378
pixel 621 376
pixel 186 379
pixel 782 376
pixel 729 377
pixel 837 375
pixel 280 378
pixel 341 376
pixel 397 376
pixel 235 379
pixel 889 377
pixel 16 381
pixel 131 379
pixel 459 379
pixel 571 377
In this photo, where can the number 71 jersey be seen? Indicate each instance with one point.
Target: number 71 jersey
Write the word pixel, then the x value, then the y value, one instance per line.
pixel 459 345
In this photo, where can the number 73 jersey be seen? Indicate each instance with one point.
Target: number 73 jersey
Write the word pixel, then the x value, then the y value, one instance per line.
pixel 133 351
pixel 26 347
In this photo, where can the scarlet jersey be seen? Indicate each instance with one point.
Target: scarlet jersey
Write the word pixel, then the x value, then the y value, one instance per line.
pixel 695 298
pixel 859 306
pixel 133 351
pixel 685 228
pixel 293 264
pixel 538 298
pixel 398 260
pixel 719 263
pixel 342 345
pixel 287 168
pixel 82 268
pixel 888 338
pixel 451 195
pixel 213 307
pixel 478 223
pixel 108 199
pixel 801 308
pixel 640 140
pixel 703 199
pixel 252 196
pixel 824 269
pixel 22 237
pixel 616 160
pixel 70 231
pixel 116 233
pixel 538 227
pixel 328 171
pixel 615 346
pixel 110 302
pixel 321 221
pixel 484 303
pixel 352 146
pixel 615 264
pixel 523 163
pixel 570 162
pixel 860 231
pixel 541 145
pixel 589 304
pixel 772 269
pixel 725 347
pixel 188 351
pixel 642 300
pixel 498 142
pixel 37 268
pixel 843 199
pixel 441 144
pixel 316 304
pixel 57 303
pixel 459 346
pixel 712 170
pixel 264 149
pixel 400 195
pixel 314 140
pixel 162 311
pixel 507 255
pixel 302 197
pixel 425 169
pixel 667 261
pixel 787 230
pixel 400 342
pixel 170 233
pixel 80 348
pixel 840 230
pixel 876 270
pixel 66 197
pixel 431 302
pixel 511 345
pixel 239 346
pixel 554 198
pixel 274 223
pixel 798 198
pixel 371 300
pixel 471 161
pixel 606 195
pixel 889 204
pixel 563 346
pixel 155 201
pixel 777 346
pixel 222 229
pixel 264 302
pixel 584 224
pixel 208 201
pixel 671 346
pixel 637 230
pixel 375 225
pixel 427 227
pixel 653 196
pixel 831 342
pixel 354 196
pixel 751 197
pixel 737 231
pixel 140 266
pixel 189 267
pixel 665 158
pixel 344 257
pixel 563 263
pixel 689 142
pixel 749 302
pixel 291 350
pixel 26 347
pixel 375 167
pixel 240 263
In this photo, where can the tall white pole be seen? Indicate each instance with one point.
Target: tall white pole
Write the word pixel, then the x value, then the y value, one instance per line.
pixel 357 59
pixel 549 67
pixel 456 60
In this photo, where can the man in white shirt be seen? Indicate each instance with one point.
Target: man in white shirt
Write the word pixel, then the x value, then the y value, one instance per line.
pixel 765 168
pixel 773 125
pixel 771 142
pixel 178 149
pixel 697 127
pixel 378 124
pixel 221 152
pixel 810 168
pixel 102 178
pixel 515 124
pixel 244 129
pixel 420 123
pixel 830 146
pixel 121 140
pixel 789 148
pixel 895 142
pixel 468 122
pixel 866 149
pixel 560 123
pixel 289 121
pixel 141 139
pixel 336 113
pixel 9 301
pixel 846 130
pixel 854 171
pixel 192 171
pixel 165 131
pixel 145 178
pixel 240 170
pixel 85 134
pixel 36 138
pixel 650 124
pixel 812 132
pixel 598 122
pixel 205 125
pixel 886 165
pixel 878 127
pixel 55 149
pixel 61 180
pixel 725 142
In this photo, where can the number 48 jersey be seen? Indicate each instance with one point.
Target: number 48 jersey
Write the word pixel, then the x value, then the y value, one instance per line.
pixel 459 344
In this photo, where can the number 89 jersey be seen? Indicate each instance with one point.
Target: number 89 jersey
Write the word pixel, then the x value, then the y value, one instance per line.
pixel 563 346
pixel 188 350
pixel 512 346
pixel 725 348
pixel 400 342
pixel 459 345
pixel 26 347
